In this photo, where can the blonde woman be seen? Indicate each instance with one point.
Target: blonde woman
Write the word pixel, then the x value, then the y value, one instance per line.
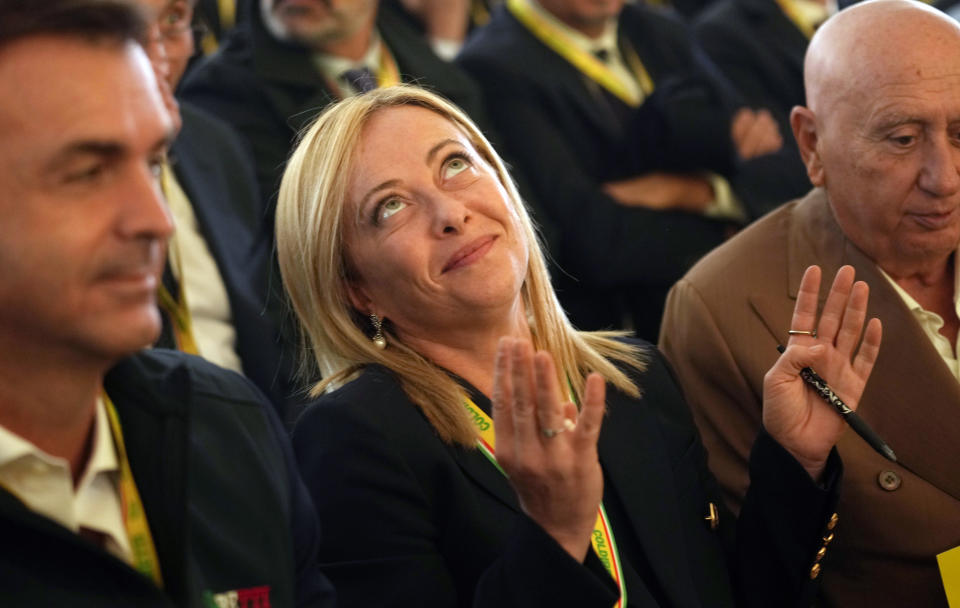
pixel 427 309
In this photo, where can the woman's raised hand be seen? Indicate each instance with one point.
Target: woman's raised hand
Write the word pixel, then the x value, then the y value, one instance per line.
pixel 547 448
pixel 793 413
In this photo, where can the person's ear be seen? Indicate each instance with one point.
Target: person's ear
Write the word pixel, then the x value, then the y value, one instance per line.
pixel 804 124
pixel 358 297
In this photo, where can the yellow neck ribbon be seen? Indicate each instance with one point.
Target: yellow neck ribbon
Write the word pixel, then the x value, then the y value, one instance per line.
pixel 601 540
pixel 145 558
pixel 176 309
pixel 388 74
pixel 799 17
pixel 587 63
pixel 227 11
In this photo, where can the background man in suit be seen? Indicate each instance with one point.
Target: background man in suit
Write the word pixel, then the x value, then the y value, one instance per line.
pixel 216 279
pixel 615 125
pixel 759 45
pixel 881 141
pixel 126 479
pixel 288 60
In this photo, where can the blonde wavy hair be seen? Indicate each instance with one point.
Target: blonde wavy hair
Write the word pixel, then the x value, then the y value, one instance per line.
pixel 314 266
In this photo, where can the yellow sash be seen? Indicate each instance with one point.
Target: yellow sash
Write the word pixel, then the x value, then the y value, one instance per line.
pixel 176 308
pixel 590 66
pixel 602 538
pixel 134 517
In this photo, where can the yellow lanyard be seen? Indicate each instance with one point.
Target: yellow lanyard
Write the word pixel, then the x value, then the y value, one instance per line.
pixel 134 517
pixel 176 309
pixel 388 74
pixel 602 538
pixel 798 16
pixel 227 10
pixel 479 14
pixel 590 66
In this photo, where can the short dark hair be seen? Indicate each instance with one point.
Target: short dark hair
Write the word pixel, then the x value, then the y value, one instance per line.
pixel 93 20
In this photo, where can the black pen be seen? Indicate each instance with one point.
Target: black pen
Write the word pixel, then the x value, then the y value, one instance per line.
pixel 856 422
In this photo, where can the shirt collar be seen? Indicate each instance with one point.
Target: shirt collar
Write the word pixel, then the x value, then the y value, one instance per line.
pixel 103 455
pixel 333 66
pixel 915 306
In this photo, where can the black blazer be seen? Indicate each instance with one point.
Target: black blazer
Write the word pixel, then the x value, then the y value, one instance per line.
pixel 760 51
pixel 559 129
pixel 268 90
pixel 225 505
pixel 412 521
pixel 216 173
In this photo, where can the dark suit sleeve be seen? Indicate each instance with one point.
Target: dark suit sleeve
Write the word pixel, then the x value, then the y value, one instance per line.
pixel 771 547
pixel 761 79
pixel 383 531
pixel 603 243
pixel 688 128
pixel 234 95
pixel 313 589
pixel 781 526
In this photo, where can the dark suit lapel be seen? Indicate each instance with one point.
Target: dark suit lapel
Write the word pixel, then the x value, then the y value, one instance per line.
pixel 300 91
pixel 777 31
pixel 568 82
pixel 154 425
pixel 646 488
pixel 221 225
pixel 478 467
pixel 911 396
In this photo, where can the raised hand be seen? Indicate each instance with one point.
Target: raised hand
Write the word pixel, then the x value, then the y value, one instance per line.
pixel 793 413
pixel 547 448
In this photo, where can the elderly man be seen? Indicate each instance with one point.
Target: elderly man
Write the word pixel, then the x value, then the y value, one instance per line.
pixel 880 138
pixel 126 478
pixel 289 59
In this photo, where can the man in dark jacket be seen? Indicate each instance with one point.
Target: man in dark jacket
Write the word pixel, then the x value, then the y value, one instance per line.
pixel 215 294
pixel 624 138
pixel 150 479
pixel 286 61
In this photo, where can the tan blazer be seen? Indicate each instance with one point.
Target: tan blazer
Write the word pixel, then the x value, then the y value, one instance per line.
pixel 720 331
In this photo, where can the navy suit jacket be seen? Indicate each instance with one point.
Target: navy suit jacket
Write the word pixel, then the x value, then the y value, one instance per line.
pixel 226 507
pixel 216 173
pixel 760 51
pixel 412 521
pixel 268 90
pixel 559 129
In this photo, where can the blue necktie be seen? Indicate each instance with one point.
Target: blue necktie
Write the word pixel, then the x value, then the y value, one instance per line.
pixel 361 79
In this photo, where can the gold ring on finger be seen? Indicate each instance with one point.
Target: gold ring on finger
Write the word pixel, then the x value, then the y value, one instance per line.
pixel 568 425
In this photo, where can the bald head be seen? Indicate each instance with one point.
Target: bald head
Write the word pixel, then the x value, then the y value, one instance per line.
pixel 875 41
pixel 881 131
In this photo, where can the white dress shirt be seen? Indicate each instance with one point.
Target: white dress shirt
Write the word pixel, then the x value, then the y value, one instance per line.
pixel 931 323
pixel 45 485
pixel 207 300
